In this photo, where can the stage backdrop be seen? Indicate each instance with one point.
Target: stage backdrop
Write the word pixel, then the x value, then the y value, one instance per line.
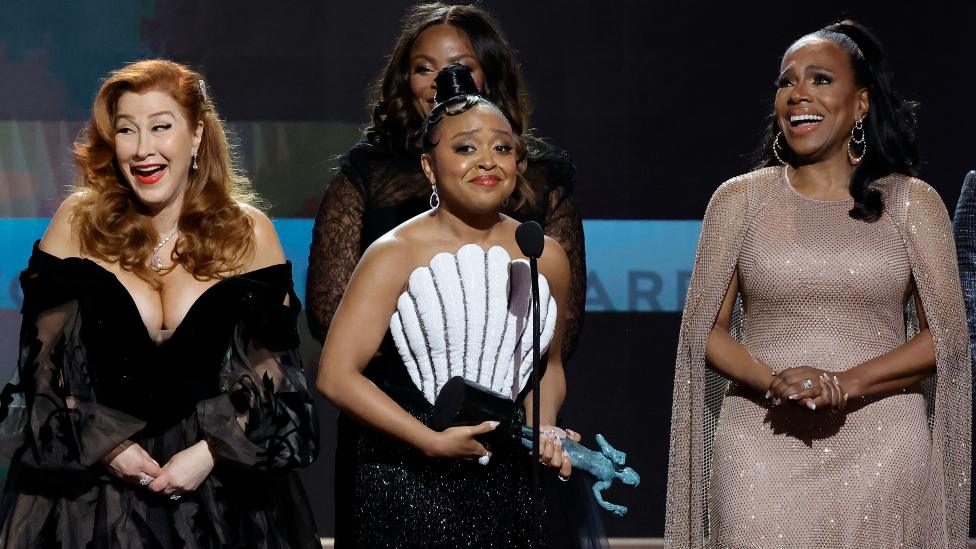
pixel 657 102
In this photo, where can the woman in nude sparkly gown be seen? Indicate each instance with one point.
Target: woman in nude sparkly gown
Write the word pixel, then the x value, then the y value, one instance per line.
pixel 822 390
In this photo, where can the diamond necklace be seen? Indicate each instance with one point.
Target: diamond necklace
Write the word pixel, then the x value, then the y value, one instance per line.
pixel 154 262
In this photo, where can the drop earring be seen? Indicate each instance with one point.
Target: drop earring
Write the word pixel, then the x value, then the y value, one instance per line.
pixel 435 200
pixel 861 141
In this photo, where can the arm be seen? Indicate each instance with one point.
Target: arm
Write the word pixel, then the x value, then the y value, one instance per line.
pixel 554 265
pixel 335 250
pixel 904 366
pixel 726 355
pixel 358 328
pixel 564 225
pixel 50 406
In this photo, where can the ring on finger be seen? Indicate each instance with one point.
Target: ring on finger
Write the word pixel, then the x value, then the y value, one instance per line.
pixel 483 460
pixel 807 384
pixel 562 477
pixel 145 480
pixel 175 497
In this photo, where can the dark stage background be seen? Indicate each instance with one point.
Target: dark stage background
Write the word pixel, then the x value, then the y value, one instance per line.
pixel 658 102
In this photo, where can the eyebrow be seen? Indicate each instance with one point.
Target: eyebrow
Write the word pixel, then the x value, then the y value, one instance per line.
pixel 153 115
pixel 808 68
pixel 476 130
pixel 450 60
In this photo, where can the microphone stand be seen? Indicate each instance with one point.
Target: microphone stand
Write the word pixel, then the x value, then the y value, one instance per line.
pixel 536 446
pixel 531 240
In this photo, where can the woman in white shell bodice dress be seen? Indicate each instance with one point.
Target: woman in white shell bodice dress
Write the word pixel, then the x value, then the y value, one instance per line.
pixel 466 314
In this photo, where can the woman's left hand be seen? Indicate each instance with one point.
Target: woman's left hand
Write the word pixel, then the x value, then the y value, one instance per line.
pixel 551 451
pixel 185 471
pixel 825 393
pixel 560 432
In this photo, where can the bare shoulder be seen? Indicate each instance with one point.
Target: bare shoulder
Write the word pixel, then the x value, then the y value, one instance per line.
pixel 391 253
pixel 267 247
pixel 554 263
pixel 60 238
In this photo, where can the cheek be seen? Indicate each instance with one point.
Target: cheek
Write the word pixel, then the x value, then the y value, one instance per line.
pixel 479 79
pixel 124 149
pixel 418 84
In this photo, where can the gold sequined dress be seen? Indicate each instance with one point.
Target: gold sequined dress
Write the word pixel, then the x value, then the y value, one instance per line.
pixel 820 289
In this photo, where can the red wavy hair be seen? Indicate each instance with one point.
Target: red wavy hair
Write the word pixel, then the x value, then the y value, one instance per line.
pixel 216 234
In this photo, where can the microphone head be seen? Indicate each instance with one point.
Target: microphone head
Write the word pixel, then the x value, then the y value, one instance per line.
pixel 530 239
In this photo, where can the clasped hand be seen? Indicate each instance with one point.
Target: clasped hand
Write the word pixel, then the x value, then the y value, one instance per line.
pixel 823 391
pixel 184 472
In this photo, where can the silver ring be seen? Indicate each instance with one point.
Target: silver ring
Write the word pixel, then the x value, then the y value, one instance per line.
pixel 483 460
pixel 175 497
pixel 562 478
pixel 145 480
pixel 807 384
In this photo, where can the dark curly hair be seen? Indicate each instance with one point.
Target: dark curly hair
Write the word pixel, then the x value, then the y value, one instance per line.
pixel 890 125
pixel 396 124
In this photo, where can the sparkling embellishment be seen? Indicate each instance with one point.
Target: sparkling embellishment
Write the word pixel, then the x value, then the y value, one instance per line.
pixel 155 263
pixel 820 289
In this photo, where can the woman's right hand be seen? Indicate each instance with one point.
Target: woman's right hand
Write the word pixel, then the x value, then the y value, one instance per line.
pixel 459 442
pixel 131 463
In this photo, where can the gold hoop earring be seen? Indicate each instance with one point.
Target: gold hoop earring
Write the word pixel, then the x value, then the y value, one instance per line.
pixel 861 141
pixel 776 147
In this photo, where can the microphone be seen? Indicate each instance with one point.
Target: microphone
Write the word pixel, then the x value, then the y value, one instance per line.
pixel 532 241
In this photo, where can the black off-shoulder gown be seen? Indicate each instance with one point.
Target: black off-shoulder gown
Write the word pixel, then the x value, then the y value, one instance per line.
pixel 89 376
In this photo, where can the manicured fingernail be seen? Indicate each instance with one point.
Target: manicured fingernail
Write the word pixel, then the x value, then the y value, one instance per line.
pixel 792 397
pixel 777 402
pixel 565 454
pixel 493 424
pixel 768 394
pixel 811 405
pixel 845 395
pixel 837 381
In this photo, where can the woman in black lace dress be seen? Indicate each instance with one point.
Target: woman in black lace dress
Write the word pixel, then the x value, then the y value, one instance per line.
pixel 444 286
pixel 159 399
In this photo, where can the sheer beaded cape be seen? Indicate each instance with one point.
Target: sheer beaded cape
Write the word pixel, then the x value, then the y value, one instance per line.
pixel 922 223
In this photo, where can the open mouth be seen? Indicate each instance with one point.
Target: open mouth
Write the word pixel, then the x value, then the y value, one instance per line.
pixel 802 120
pixel 148 174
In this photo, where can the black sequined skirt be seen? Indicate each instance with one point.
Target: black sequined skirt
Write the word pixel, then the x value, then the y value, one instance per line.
pixel 390 495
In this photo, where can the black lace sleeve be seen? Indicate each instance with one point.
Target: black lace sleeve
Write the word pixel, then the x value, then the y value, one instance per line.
pixel 551 172
pixel 335 251
pixel 264 418
pixel 49 411
pixel 564 225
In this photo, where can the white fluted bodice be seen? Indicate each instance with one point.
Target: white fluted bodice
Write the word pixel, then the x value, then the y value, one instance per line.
pixel 469 314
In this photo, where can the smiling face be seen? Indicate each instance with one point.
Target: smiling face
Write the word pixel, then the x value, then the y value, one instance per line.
pixel 435 48
pixel 154 147
pixel 818 99
pixel 474 161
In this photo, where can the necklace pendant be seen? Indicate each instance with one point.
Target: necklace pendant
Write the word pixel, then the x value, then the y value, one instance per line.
pixel 155 263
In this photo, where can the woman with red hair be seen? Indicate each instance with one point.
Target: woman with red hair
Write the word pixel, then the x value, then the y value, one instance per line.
pixel 159 399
